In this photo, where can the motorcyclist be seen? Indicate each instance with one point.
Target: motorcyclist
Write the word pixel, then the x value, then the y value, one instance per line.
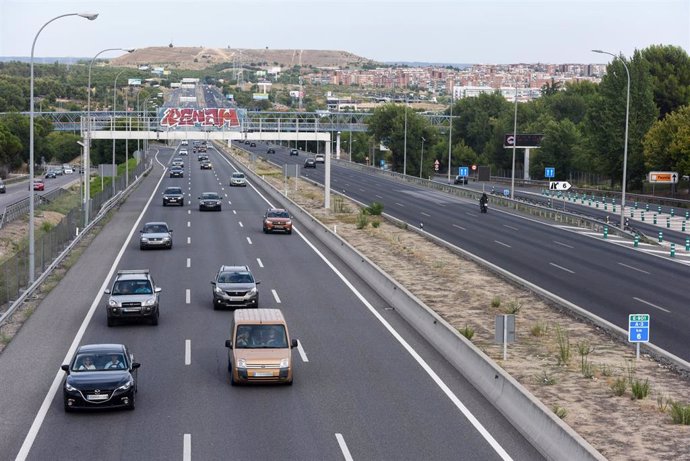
pixel 483 201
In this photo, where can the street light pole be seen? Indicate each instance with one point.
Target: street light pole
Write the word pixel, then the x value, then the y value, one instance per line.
pixel 32 267
pixel 512 175
pixel 114 103
pixel 450 130
pixel 421 161
pixel 405 141
pixel 87 148
pixel 625 146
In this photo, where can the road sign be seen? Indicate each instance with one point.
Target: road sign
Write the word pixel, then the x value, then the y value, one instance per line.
pixel 474 167
pixel 638 328
pixel 549 172
pixel 523 140
pixel 559 185
pixel 506 192
pixel 463 171
pixel 664 177
pixel 437 164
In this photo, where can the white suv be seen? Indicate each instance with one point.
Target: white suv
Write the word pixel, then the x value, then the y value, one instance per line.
pixel 320 158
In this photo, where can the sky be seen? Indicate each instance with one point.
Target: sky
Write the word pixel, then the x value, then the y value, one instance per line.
pixel 434 31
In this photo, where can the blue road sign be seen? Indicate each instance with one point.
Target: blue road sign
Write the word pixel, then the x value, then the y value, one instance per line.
pixel 506 192
pixel 549 172
pixel 638 328
pixel 463 171
pixel 383 163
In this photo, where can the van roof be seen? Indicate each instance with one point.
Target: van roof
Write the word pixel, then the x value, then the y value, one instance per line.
pixel 258 316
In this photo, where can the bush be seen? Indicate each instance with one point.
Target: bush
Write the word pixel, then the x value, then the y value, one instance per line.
pixel 540 329
pixel 619 386
pixel 563 345
pixel 639 389
pixel 513 307
pixel 375 224
pixel 467 332
pixel 680 414
pixel 560 411
pixel 496 301
pixel 546 379
pixel 362 220
pixel 375 209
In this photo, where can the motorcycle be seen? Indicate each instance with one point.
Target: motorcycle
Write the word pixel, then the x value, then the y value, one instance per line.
pixel 483 207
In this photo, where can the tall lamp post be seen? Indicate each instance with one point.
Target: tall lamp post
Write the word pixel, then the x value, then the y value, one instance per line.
pixel 450 129
pixel 405 141
pixel 87 148
pixel 32 268
pixel 625 146
pixel 421 161
pixel 114 103
pixel 512 174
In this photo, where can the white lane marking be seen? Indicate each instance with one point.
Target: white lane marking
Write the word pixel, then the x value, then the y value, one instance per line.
pixel 378 196
pixel 187 351
pixel 563 244
pixel 189 224
pixel 422 363
pixel 561 268
pixel 188 296
pixel 504 244
pixel 426 214
pixel 510 227
pixel 187 448
pixel 249 240
pixel 57 381
pixel 459 227
pixel 634 268
pixel 468 213
pixel 234 211
pixel 343 447
pixel 189 240
pixel 399 204
pixel 258 260
pixel 189 262
pixel 241 225
pixel 189 211
pixel 300 349
pixel 650 304
pixel 361 190
pixel 229 202
pixel 275 296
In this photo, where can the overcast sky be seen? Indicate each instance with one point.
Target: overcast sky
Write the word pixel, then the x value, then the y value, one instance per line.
pixel 450 31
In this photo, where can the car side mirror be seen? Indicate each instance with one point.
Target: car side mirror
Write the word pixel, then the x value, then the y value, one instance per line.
pixel 228 343
pixel 213 282
pixel 157 290
pixel 107 291
pixel 141 231
pixel 65 368
pixel 135 365
pixel 293 343
pixel 170 230
pixel 257 282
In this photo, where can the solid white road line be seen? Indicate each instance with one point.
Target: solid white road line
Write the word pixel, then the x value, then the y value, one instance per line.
pixel 258 260
pixel 241 225
pixel 343 447
pixel 650 304
pixel 187 447
pixel 501 243
pixel 188 296
pixel 57 381
pixel 187 351
pixel 249 240
pixel 561 268
pixel 634 268
pixel 275 296
pixel 510 227
pixel 459 227
pixel 189 262
pixel 563 244
pixel 300 349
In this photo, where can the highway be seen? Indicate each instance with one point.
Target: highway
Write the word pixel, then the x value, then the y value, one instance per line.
pixel 366 385
pixel 606 279
pixel 20 190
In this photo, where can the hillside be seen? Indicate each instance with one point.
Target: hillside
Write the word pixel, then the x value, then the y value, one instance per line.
pixel 195 58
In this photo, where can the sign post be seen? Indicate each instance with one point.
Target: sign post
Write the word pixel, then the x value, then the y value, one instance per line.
pixel 638 330
pixel 505 331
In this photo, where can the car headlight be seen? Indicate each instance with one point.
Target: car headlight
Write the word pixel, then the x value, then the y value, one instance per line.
pixel 126 385
pixel 284 363
pixel 253 291
pixel 166 239
pixel 113 303
pixel 218 290
pixel 70 388
pixel 144 239
pixel 149 302
pixel 241 363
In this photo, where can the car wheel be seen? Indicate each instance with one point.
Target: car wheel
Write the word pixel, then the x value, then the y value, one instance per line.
pixel 182 202
pixel 132 401
pixel 289 232
pixel 111 322
pixel 289 383
pixel 164 204
pixel 232 376
pixel 220 208
pixel 68 409
pixel 154 319
pixel 265 231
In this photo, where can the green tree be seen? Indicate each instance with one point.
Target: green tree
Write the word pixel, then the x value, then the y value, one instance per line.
pixel 10 150
pixel 63 146
pixel 667 143
pixel 669 67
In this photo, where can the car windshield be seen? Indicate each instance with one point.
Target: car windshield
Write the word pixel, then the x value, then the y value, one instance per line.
pixel 173 190
pixel 132 287
pixel 155 229
pixel 238 175
pixel 209 195
pixel 261 336
pixel 100 361
pixel 278 214
pixel 235 277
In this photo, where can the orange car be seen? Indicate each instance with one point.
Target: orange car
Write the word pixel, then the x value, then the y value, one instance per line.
pixel 277 219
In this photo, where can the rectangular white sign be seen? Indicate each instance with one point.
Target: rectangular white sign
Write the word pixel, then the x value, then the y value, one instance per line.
pixel 664 177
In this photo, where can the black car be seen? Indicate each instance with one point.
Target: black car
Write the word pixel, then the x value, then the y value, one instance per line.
pixel 176 172
pixel 205 165
pixel 310 163
pixel 100 376
pixel 460 180
pixel 210 201
pixel 252 144
pixel 173 196
pixel 3 189
pixel 271 150
pixel 294 152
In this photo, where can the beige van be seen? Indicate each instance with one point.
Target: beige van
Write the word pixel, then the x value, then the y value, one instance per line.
pixel 260 348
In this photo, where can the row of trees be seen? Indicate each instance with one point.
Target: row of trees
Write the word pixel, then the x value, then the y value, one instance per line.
pixel 583 124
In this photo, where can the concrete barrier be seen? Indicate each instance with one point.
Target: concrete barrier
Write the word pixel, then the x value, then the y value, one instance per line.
pixel 537 423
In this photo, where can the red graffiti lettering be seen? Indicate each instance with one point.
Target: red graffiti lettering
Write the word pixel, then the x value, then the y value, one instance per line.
pixel 199 117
